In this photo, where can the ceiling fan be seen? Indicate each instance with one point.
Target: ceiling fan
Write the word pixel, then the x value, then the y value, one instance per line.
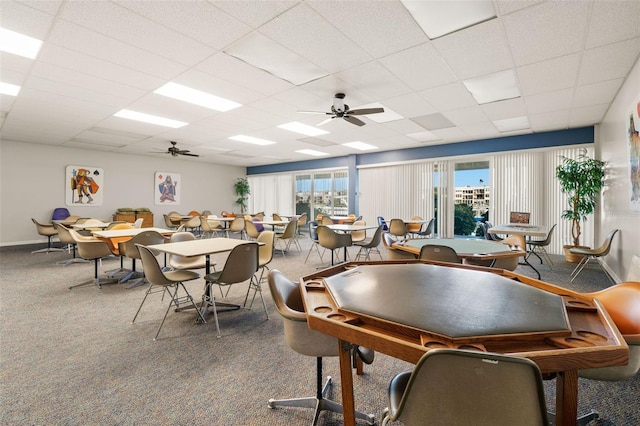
pixel 341 110
pixel 174 151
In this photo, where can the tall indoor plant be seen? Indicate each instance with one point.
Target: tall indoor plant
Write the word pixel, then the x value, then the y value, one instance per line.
pixel 242 190
pixel 582 180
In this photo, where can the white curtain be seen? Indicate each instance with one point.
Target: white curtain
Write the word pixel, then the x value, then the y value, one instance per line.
pixel 398 191
pixel 446 195
pixel 272 194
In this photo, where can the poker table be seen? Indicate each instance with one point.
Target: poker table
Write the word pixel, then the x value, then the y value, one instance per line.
pixel 406 308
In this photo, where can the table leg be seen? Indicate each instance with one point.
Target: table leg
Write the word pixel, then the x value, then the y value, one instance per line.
pixel 348 405
pixel 526 263
pixel 567 398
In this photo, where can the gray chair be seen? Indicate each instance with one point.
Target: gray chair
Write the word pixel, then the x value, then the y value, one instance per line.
pixel 170 224
pixel 489 236
pixel 427 232
pixel 288 300
pixel 394 253
pixel 165 281
pixel 49 231
pixel 589 254
pixel 65 237
pixel 370 245
pixel 129 249
pixel 241 265
pixel 537 247
pixel 398 229
pixel 461 387
pixel 439 253
pixel 287 237
pixel 302 222
pixel 265 256
pixel 90 248
pixel 237 226
pixel 315 244
pixel 331 240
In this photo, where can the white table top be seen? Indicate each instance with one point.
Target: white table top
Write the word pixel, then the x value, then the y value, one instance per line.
pixel 130 232
pixel 200 247
pixel 519 229
pixel 272 222
pixel 345 227
pixel 92 224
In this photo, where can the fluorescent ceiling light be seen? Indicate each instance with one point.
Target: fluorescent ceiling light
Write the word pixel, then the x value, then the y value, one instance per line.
pixel 511 124
pixel 196 97
pixel 9 89
pixel 272 57
pixel 304 129
pixel 438 18
pixel 381 117
pixel 360 145
pixel 148 118
pixel 19 44
pixel 493 87
pixel 312 152
pixel 251 139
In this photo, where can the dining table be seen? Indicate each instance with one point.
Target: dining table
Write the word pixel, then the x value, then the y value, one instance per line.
pixel 348 228
pixel 465 248
pixel 203 247
pixel 406 308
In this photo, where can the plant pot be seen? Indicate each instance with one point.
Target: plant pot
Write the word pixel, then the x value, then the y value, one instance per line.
pixel 570 257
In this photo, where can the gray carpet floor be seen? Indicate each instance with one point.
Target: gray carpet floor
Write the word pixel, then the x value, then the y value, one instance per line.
pixel 73 357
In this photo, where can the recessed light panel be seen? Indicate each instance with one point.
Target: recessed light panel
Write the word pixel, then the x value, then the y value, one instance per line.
pixel 266 54
pixel 301 128
pixel 196 97
pixel 433 121
pixel 251 139
pixel 312 152
pixel 19 44
pixel 360 146
pixel 512 124
pixel 148 118
pixel 9 89
pixel 493 87
pixel 438 18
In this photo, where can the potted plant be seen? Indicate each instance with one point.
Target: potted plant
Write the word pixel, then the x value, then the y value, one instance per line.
pixel 242 190
pixel 582 180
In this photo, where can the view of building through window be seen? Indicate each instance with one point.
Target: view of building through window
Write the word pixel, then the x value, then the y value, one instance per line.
pixel 323 192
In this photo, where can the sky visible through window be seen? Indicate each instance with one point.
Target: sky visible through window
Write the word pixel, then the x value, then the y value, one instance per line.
pixel 472 177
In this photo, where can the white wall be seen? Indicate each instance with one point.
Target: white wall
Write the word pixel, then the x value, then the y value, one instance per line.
pixel 615 210
pixel 32 181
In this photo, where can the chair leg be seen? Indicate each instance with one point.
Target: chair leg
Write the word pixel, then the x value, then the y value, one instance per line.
pixel 48 249
pixel 579 267
pixel 96 280
pixel 256 284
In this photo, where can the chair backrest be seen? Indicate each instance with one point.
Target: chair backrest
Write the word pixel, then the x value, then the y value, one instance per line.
pixel 439 253
pixel 204 225
pixel 428 230
pixel 89 247
pixel 146 238
pixel 603 250
pixel 302 220
pixel 194 222
pixel 547 240
pixel 460 387
pixel 332 240
pixel 168 222
pixel 63 234
pixel 326 220
pixel 60 213
pixel 414 227
pixel 382 222
pixel 44 229
pixel 393 253
pixel 265 251
pixel 152 270
pixel 237 224
pixel 288 300
pixel 276 216
pixel 397 227
pixel 251 229
pixel 359 235
pixel 289 230
pixel 181 262
pixel 138 223
pixel 377 237
pixel 241 264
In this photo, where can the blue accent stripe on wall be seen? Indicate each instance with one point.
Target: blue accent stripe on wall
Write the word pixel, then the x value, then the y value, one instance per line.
pixel 582 135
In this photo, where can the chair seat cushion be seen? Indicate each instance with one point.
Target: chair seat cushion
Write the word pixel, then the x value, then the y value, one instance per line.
pixel 213 277
pixel 179 276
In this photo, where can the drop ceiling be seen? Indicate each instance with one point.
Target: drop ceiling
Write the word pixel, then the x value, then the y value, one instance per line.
pixel 568 60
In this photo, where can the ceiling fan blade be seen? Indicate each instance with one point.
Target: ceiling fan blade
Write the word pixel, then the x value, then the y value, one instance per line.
pixel 323 122
pixel 364 111
pixel 354 120
pixel 190 155
pixel 316 112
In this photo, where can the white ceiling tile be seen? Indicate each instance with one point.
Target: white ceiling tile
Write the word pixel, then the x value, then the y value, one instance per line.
pixel 385 28
pixel 609 62
pixel 597 93
pixel 508 6
pixel 483 130
pixel 591 114
pixel 419 67
pixel 479 50
pixel 504 109
pixel 409 105
pixel 470 115
pixel 452 134
pixel 448 97
pixel 549 101
pixel 21 18
pixel 613 21
pixel 556 120
pixel 373 78
pixel 548 76
pixel 547 30
pixel 255 13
